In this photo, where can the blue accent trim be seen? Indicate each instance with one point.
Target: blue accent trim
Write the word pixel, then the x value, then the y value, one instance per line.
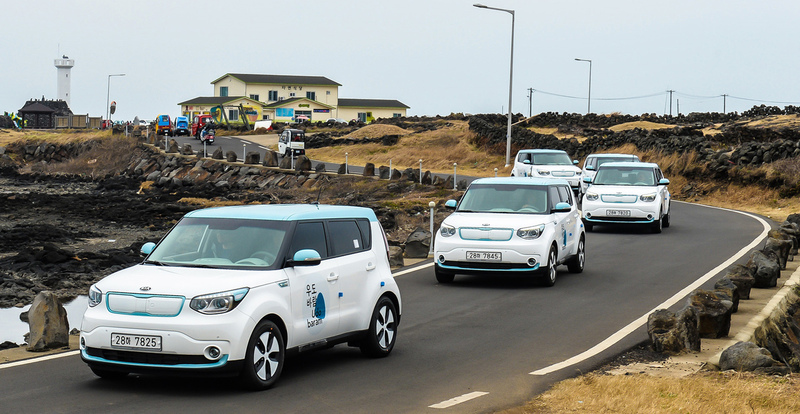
pixel 285 212
pixel 643 221
pixel 222 361
pixel 144 296
pixel 473 269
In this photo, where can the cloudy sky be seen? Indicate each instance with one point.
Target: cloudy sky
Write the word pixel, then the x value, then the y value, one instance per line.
pixel 436 56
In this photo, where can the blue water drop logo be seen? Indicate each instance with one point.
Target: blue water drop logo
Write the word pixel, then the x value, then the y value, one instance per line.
pixel 319 309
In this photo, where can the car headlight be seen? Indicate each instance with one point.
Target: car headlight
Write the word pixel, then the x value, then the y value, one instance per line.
pixel 543 172
pixel 447 231
pixel 530 233
pixel 591 197
pixel 647 198
pixel 215 303
pixel 95 296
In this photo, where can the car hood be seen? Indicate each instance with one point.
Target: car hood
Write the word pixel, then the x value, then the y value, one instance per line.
pixel 495 220
pixel 185 281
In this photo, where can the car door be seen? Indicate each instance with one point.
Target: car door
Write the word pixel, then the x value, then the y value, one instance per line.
pixel 315 307
pixel 664 192
pixel 355 261
pixel 570 221
pixel 560 235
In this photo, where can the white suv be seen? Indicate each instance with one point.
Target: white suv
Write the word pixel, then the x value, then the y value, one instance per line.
pixel 627 193
pixel 594 161
pixel 230 290
pixel 548 164
pixel 512 226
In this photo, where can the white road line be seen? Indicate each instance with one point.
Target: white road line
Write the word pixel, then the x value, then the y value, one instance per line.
pixel 617 336
pixel 414 269
pixel 40 359
pixel 458 400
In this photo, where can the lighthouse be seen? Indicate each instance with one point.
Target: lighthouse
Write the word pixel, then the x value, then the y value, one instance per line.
pixel 64 66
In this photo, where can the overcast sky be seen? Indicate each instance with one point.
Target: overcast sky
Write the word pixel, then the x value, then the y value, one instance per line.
pixel 436 56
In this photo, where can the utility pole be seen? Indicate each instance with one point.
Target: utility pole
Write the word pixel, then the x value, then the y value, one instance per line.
pixel 724 103
pixel 670 101
pixel 530 102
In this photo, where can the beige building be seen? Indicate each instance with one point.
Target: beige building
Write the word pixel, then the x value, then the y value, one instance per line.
pixel 284 98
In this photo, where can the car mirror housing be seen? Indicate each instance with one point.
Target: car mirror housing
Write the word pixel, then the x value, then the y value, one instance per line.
pixel 562 208
pixel 589 167
pixel 526 162
pixel 305 257
pixel 587 179
pixel 663 181
pixel 450 204
pixel 147 248
pixel 574 162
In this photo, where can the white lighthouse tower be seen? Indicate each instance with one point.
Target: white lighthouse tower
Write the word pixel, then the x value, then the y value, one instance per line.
pixel 64 66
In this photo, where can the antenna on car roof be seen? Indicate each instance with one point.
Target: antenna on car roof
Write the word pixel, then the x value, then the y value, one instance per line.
pixel 319 194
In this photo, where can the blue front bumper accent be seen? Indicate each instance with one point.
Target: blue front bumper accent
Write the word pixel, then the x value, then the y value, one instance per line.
pixel 487 269
pixel 90 358
pixel 611 221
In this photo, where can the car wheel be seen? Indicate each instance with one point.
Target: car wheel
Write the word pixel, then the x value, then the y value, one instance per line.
pixel 657 225
pixel 382 332
pixel 665 220
pixel 588 226
pixel 108 374
pixel 549 278
pixel 576 263
pixel 264 356
pixel 443 277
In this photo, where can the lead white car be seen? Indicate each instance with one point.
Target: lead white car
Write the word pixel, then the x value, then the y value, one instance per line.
pixel 512 226
pixel 627 193
pixel 230 290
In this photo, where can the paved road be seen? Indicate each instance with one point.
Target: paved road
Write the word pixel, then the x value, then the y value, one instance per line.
pixel 479 337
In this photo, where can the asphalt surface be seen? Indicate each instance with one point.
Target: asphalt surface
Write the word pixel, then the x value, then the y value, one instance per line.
pixel 466 347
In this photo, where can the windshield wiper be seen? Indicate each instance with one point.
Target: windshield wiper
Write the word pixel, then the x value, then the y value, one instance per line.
pixel 156 262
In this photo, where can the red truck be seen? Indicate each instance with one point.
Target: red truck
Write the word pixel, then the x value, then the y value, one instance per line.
pixel 199 122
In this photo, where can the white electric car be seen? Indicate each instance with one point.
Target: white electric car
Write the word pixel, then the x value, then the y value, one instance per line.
pixel 547 164
pixel 627 193
pixel 229 290
pixel 512 226
pixel 594 161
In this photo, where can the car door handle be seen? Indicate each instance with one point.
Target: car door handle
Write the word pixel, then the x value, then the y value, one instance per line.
pixel 370 266
pixel 333 277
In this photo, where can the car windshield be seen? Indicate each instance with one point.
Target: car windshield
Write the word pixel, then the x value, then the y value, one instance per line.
pixel 504 198
pixel 598 161
pixel 625 176
pixel 558 158
pixel 210 242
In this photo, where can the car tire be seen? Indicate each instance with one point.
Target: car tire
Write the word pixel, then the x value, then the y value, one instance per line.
pixel 588 226
pixel 382 331
pixel 665 220
pixel 443 277
pixel 657 226
pixel 577 262
pixel 263 361
pixel 549 276
pixel 108 374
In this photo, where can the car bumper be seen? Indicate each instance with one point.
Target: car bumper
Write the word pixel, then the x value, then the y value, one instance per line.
pixel 184 340
pixel 516 257
pixel 599 212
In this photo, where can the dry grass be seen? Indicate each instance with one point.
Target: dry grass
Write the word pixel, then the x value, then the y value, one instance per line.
pixel 701 393
pixel 438 150
pixel 639 124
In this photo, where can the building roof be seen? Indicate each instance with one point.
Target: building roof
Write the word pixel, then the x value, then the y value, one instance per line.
pixel 215 100
pixel 36 107
pixel 371 103
pixel 290 101
pixel 279 79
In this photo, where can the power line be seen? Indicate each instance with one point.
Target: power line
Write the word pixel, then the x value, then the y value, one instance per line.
pixel 599 99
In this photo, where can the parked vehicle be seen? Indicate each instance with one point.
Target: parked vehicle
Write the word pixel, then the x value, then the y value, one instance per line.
pixel 163 125
pixel 208 134
pixel 511 226
pixel 627 193
pixel 292 141
pixel 593 161
pixel 181 126
pixel 198 122
pixel 335 121
pixel 232 290
pixel 547 164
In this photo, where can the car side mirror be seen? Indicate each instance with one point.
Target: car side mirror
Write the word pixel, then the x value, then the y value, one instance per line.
pixel 587 179
pixel 574 162
pixel 589 167
pixel 450 203
pixel 147 248
pixel 526 162
pixel 663 181
pixel 562 208
pixel 305 257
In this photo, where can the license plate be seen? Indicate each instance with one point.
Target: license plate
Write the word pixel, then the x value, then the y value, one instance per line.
pixel 485 256
pixel 618 213
pixel 152 343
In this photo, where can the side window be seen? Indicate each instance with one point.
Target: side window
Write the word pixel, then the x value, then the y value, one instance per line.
pixel 366 234
pixel 309 236
pixel 554 196
pixel 659 175
pixel 565 194
pixel 345 237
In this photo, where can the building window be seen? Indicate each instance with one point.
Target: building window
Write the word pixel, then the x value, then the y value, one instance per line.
pixel 396 115
pixel 233 114
pixel 273 95
pixel 291 94
pixel 311 95
pixel 254 97
pixel 327 92
pixel 362 116
pixel 223 91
